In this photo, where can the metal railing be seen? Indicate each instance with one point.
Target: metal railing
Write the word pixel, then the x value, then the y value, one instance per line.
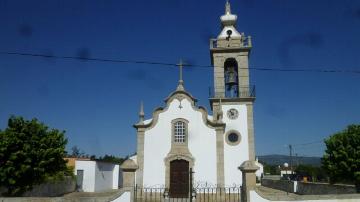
pixel 149 194
pixel 226 194
pixel 245 42
pixel 243 92
pixel 203 194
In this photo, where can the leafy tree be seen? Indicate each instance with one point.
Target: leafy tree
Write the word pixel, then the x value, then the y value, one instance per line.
pixel 316 173
pixel 342 156
pixel 271 169
pixel 76 152
pixel 112 159
pixel 30 153
pixel 93 157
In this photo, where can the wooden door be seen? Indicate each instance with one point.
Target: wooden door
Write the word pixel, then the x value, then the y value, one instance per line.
pixel 179 179
pixel 79 179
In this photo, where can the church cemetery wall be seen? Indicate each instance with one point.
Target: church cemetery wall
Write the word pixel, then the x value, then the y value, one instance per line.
pixel 257 197
pixel 283 185
pixel 50 189
pixel 308 188
pixel 322 188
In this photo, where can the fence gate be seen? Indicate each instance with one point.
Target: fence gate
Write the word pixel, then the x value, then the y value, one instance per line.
pixel 194 194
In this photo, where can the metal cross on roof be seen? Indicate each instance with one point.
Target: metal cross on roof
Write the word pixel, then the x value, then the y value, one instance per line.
pixel 181 64
pixel 180 85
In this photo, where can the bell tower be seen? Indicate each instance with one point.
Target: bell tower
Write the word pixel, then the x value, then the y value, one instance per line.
pixel 230 57
pixel 232 97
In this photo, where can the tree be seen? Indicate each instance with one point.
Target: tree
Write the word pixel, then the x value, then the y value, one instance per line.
pixel 342 156
pixel 316 173
pixel 112 159
pixel 30 152
pixel 76 152
pixel 271 169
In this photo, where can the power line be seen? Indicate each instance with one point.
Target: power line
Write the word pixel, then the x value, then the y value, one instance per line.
pixel 316 70
pixel 309 143
pixel 86 58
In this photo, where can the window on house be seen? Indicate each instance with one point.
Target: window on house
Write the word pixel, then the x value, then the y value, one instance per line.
pixel 179 132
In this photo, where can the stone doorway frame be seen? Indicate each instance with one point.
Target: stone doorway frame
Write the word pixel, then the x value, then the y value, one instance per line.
pixel 184 191
pixel 172 157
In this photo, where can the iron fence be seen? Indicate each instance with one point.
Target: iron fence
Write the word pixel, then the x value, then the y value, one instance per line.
pixel 203 194
pixel 245 42
pixel 242 92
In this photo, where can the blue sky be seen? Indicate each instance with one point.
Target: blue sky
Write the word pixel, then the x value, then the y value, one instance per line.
pixel 97 102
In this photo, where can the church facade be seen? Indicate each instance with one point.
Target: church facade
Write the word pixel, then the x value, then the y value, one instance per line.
pixel 183 139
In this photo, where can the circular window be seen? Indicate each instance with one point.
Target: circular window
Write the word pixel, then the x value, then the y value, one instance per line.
pixel 233 138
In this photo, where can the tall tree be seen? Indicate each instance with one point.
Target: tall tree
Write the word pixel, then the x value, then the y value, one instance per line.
pixel 342 156
pixel 316 173
pixel 76 152
pixel 29 153
pixel 112 159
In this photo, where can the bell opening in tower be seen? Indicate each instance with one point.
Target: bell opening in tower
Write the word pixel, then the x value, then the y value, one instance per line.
pixel 231 78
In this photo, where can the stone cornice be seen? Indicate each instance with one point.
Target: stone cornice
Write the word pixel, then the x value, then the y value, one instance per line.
pixel 232 101
pixel 179 95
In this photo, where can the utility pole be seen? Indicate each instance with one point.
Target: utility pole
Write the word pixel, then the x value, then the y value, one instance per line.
pixel 291 160
pixel 297 159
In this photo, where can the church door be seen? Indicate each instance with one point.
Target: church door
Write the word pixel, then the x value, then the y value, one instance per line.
pixel 179 179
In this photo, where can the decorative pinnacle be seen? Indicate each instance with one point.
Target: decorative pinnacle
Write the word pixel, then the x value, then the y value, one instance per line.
pixel 220 112
pixel 141 112
pixel 227 7
pixel 181 81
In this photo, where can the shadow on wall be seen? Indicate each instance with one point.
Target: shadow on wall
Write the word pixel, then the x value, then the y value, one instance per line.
pixel 105 166
pixel 120 182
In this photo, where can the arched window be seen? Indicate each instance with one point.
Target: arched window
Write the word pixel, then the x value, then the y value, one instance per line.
pixel 179 132
pixel 231 78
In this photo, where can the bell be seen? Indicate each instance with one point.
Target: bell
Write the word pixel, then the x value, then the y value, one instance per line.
pixel 231 77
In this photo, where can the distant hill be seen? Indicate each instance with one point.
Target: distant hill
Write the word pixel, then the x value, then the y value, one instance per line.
pixel 276 159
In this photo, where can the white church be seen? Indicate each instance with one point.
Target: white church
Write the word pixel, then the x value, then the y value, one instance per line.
pixel 182 137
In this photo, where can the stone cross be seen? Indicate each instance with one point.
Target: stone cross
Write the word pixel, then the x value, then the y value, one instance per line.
pixel 181 82
pixel 181 64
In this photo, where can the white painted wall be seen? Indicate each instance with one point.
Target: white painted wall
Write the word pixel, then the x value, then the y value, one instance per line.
pixel 98 176
pixel 104 176
pixel 89 174
pixel 285 172
pixel 201 143
pixel 259 172
pixel 115 177
pixel 125 197
pixel 234 156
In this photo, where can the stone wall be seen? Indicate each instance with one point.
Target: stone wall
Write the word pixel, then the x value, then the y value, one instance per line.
pixel 308 188
pixel 283 185
pixel 322 188
pixel 272 177
pixel 51 189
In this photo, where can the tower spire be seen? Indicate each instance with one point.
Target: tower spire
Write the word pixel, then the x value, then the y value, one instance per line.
pixel 141 113
pixel 181 81
pixel 228 22
pixel 227 7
